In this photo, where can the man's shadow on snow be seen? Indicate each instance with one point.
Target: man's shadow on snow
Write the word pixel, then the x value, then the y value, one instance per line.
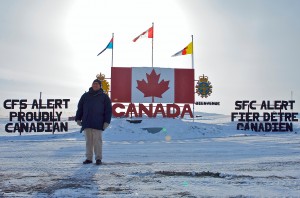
pixel 82 178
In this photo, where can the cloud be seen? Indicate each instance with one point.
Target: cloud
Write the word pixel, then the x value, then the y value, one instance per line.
pixel 249 49
pixel 31 44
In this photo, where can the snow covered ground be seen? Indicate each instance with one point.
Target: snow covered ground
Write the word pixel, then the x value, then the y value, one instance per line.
pixel 208 157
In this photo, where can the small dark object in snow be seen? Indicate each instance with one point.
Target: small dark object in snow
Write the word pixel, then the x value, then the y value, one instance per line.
pixel 190 174
pixel 153 129
pixel 134 121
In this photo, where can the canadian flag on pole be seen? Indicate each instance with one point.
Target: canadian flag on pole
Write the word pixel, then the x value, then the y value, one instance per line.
pixel 148 33
pixel 152 84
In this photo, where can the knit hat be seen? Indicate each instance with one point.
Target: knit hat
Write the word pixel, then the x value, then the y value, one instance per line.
pixel 98 81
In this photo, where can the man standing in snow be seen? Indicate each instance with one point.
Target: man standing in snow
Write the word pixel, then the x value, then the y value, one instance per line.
pixel 94 115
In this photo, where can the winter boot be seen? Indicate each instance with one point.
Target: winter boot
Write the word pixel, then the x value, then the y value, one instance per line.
pixel 98 162
pixel 87 161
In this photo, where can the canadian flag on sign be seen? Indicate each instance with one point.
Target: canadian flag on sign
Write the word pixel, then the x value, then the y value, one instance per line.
pixel 152 85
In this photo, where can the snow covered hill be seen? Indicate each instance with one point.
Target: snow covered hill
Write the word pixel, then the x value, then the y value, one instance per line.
pixel 175 158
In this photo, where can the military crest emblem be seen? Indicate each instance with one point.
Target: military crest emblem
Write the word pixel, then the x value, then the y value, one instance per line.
pixel 105 84
pixel 203 87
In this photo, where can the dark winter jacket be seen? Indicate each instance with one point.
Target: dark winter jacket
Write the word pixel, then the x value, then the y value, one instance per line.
pixel 94 108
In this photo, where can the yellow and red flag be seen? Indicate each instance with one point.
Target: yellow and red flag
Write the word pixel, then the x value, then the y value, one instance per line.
pixel 187 50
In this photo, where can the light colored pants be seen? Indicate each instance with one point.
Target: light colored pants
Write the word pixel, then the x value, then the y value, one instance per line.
pixel 93 140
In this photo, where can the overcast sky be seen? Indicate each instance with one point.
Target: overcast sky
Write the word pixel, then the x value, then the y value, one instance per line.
pixel 249 49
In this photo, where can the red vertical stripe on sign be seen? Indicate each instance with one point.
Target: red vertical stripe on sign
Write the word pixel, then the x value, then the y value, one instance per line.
pixel 184 86
pixel 121 84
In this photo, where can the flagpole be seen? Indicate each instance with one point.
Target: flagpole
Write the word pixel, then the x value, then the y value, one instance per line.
pixel 194 76
pixel 112 51
pixel 192 52
pixel 152 50
pixel 152 41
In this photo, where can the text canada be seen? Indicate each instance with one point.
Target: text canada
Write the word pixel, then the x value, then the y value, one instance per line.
pixel 169 110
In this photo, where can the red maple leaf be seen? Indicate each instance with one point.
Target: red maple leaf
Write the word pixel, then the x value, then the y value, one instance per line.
pixel 153 88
